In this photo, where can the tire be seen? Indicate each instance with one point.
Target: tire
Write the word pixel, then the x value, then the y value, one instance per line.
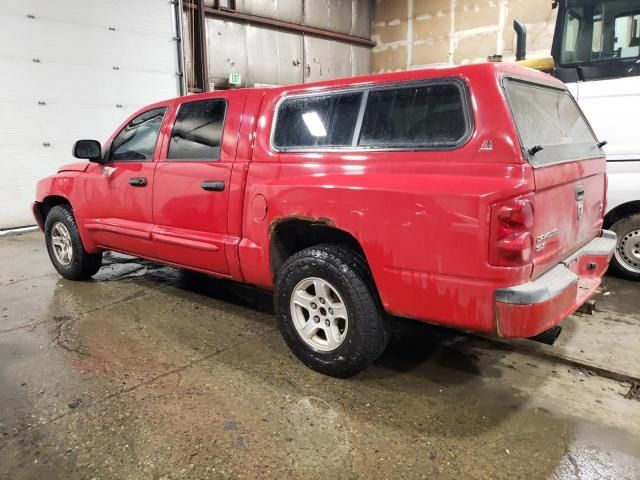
pixel 626 259
pixel 62 238
pixel 349 329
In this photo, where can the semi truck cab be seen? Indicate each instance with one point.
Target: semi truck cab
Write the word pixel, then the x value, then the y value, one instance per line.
pixel 596 53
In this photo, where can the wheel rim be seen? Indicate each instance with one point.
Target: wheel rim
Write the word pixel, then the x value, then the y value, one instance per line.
pixel 628 250
pixel 61 243
pixel 319 314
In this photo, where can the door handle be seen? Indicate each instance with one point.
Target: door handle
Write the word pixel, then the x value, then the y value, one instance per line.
pixel 213 185
pixel 579 192
pixel 138 181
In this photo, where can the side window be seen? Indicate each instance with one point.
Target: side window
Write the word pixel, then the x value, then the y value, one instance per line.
pixel 137 141
pixel 197 132
pixel 422 116
pixel 317 121
pixel 627 36
pixel 570 37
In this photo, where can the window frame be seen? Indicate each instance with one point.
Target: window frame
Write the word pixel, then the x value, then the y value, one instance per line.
pixel 365 90
pixel 107 156
pixel 175 119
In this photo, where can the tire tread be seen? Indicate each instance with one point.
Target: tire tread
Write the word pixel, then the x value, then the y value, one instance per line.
pixel 84 264
pixel 374 335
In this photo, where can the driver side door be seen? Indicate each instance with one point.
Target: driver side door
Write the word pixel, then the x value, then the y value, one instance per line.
pixel 118 192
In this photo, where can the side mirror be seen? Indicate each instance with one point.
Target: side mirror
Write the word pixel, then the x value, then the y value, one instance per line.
pixel 88 149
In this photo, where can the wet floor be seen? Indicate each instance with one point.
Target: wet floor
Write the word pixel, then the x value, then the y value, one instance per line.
pixel 149 372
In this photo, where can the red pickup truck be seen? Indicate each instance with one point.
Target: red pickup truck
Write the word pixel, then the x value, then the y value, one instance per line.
pixel 468 196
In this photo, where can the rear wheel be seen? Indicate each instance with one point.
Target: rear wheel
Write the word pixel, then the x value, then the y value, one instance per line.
pixel 626 259
pixel 65 247
pixel 328 311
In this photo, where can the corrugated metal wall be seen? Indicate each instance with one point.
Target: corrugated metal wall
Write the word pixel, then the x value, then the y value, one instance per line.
pixel 267 56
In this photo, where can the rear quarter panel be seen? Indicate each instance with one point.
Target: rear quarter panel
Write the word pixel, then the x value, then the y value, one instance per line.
pixel 422 218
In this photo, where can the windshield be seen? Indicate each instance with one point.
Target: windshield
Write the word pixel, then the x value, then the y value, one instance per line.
pixel 595 31
pixel 551 127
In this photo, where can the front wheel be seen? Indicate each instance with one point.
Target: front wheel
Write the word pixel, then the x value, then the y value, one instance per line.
pixel 328 310
pixel 626 259
pixel 65 247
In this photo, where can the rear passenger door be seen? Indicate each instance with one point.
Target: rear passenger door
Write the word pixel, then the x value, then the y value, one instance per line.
pixel 191 184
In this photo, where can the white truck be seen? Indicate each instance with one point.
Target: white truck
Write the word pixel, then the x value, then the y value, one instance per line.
pixel 596 52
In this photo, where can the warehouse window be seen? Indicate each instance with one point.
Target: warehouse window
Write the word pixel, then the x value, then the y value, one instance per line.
pixel 317 121
pixel 137 140
pixel 428 116
pixel 197 132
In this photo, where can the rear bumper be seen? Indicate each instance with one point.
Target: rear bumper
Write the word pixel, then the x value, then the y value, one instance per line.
pixel 533 307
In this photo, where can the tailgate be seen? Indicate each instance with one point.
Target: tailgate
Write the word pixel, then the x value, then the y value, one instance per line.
pixel 568 166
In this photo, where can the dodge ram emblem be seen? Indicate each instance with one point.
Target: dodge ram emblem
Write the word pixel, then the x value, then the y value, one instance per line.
pixel 580 209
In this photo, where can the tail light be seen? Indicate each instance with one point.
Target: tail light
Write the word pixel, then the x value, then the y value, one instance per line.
pixel 511 238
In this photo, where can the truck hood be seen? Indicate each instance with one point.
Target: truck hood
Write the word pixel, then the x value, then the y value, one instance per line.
pixel 74 167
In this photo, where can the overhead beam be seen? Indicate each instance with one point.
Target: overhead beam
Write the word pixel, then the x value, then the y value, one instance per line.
pixel 287 26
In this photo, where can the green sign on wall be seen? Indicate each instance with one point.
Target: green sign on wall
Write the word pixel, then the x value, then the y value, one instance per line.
pixel 235 79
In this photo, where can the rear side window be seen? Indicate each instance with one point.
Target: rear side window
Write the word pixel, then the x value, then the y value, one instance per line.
pixel 551 127
pixel 137 140
pixel 197 132
pixel 317 121
pixel 429 116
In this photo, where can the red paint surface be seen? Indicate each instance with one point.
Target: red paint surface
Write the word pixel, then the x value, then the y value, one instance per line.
pixel 529 320
pixel 421 218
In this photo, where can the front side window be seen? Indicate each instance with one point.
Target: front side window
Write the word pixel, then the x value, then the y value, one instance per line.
pixel 549 123
pixel 600 30
pixel 429 116
pixel 197 132
pixel 137 140
pixel 317 121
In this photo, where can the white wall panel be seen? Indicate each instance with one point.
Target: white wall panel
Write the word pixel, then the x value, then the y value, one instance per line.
pixel 287 10
pixel 361 60
pixel 326 60
pixel 53 41
pixel 334 15
pixel 227 51
pixel 274 57
pixel 77 44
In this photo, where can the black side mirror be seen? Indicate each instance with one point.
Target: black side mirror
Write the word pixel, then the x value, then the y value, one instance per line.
pixel 88 149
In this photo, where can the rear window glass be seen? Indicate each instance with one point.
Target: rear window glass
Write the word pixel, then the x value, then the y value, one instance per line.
pixel 197 132
pixel 317 121
pixel 429 116
pixel 549 118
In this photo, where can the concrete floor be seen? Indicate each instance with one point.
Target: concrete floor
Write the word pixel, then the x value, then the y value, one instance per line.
pixel 148 372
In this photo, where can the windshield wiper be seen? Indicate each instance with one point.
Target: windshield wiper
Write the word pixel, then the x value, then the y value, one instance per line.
pixel 535 149
pixel 602 143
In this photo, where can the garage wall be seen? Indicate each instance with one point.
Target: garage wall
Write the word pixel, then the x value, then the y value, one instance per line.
pixel 266 56
pixel 73 69
pixel 415 33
